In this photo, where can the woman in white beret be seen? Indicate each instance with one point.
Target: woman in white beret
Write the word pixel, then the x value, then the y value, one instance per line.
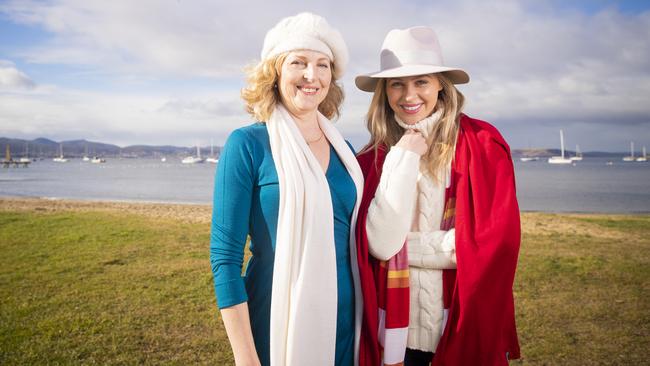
pixel 291 183
pixel 438 229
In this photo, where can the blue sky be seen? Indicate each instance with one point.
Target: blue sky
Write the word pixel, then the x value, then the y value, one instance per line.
pixel 170 71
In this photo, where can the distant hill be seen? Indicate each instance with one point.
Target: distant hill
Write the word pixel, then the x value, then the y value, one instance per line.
pixel 46 148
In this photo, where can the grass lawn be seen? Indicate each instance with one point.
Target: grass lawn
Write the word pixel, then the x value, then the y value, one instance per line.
pixel 119 288
pixel 104 288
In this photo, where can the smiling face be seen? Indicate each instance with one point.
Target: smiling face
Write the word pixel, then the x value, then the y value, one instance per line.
pixel 304 81
pixel 413 98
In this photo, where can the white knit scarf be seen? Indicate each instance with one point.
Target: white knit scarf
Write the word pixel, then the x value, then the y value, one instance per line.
pixel 304 292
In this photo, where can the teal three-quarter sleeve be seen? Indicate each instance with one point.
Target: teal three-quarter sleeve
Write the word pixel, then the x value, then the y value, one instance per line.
pixel 230 218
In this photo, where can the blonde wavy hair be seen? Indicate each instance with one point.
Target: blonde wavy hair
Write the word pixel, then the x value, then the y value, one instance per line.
pixel 261 93
pixel 384 129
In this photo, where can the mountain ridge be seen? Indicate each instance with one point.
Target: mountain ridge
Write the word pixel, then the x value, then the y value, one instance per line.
pixel 46 148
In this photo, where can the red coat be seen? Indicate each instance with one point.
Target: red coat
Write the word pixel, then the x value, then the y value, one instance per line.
pixel 480 329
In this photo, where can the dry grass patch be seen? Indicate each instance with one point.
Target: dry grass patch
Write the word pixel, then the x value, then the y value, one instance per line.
pixel 582 289
pixel 84 283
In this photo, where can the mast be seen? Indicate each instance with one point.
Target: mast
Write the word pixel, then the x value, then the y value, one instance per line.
pixel 562 143
pixel 632 148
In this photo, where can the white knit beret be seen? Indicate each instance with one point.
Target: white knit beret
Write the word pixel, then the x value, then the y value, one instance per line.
pixel 307 31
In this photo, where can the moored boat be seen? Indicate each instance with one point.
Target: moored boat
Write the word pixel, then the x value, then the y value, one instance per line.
pixel 631 157
pixel 194 159
pixel 560 159
pixel 60 158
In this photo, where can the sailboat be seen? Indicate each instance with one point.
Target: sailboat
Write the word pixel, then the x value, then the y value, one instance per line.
pixel 193 159
pixel 631 157
pixel 529 158
pixel 26 159
pixel 8 158
pixel 527 155
pixel 60 158
pixel 86 158
pixel 96 159
pixel 643 157
pixel 7 154
pixel 212 159
pixel 560 159
pixel 578 156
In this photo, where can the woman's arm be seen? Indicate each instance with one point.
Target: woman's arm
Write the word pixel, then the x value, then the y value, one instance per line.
pixel 433 249
pixel 391 210
pixel 238 327
pixel 230 220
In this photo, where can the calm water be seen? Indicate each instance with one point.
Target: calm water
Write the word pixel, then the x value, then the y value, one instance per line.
pixel 115 180
pixel 589 186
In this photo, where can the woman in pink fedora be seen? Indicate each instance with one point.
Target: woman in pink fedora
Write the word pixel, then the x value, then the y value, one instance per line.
pixel 438 229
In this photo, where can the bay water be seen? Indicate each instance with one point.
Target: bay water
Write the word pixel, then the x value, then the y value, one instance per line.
pixel 590 185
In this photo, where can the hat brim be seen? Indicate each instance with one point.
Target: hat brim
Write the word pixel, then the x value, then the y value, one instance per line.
pixel 368 82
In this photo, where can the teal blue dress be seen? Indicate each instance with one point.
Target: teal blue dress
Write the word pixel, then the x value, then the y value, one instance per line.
pixel 246 202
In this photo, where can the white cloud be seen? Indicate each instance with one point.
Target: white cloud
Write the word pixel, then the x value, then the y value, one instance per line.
pixel 198 38
pixel 527 64
pixel 12 78
pixel 121 119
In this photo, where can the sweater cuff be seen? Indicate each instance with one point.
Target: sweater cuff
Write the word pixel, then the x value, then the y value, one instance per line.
pixel 432 250
pixel 433 241
pixel 449 241
pixel 231 291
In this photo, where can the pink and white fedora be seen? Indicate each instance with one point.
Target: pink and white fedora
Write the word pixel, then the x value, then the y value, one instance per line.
pixel 409 52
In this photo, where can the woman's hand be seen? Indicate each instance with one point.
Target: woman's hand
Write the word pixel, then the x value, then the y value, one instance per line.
pixel 413 141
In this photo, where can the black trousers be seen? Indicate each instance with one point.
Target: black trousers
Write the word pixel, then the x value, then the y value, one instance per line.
pixel 415 357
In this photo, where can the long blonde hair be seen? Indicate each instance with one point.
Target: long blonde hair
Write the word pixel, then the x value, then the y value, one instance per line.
pixel 261 93
pixel 384 129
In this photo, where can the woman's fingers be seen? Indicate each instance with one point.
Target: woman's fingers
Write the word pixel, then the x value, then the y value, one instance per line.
pixel 413 141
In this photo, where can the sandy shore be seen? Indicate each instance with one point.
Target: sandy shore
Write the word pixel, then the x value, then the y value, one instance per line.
pixel 184 212
pixel 532 222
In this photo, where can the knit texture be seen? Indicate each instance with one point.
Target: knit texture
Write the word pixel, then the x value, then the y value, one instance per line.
pixel 426 308
pixel 307 31
pixel 424 126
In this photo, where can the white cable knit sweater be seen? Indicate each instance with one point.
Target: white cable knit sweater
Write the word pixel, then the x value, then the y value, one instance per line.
pixel 409 204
